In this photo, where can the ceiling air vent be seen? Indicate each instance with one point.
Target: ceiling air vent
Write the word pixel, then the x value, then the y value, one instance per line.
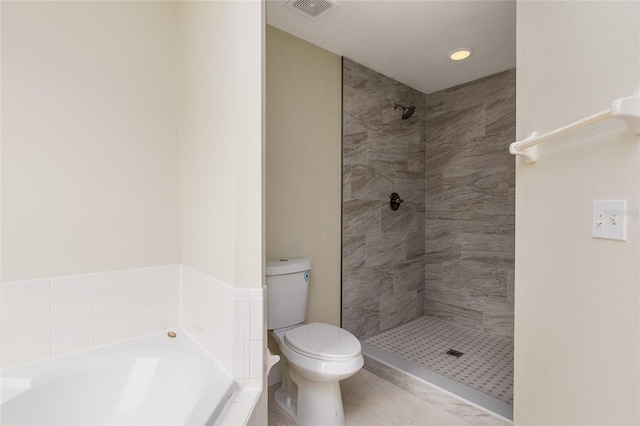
pixel 312 8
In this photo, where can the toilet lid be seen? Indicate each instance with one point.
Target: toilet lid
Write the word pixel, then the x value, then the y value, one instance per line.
pixel 323 341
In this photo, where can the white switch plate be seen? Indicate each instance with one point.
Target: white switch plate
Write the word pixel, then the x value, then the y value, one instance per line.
pixel 609 219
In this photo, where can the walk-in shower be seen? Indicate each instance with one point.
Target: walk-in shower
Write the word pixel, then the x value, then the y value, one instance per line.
pixel 428 288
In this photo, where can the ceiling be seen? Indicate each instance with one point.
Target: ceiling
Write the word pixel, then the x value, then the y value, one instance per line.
pixel 409 40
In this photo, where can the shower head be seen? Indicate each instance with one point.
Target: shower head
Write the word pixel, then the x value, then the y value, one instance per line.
pixel 406 111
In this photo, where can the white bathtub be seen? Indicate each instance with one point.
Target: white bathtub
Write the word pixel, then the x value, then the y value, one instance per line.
pixel 152 380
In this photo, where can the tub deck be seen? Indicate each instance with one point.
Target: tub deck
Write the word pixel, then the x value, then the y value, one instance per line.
pixel 153 379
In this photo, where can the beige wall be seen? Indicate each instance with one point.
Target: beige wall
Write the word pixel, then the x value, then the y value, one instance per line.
pixel 90 171
pixel 577 318
pixel 221 140
pixel 304 164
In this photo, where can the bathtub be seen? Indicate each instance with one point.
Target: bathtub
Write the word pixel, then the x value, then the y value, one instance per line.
pixel 151 380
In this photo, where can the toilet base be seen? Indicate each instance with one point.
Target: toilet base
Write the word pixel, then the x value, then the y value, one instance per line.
pixel 318 403
pixel 286 402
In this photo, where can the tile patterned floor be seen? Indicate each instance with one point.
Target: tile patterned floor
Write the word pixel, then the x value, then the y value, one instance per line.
pixel 487 363
pixel 371 401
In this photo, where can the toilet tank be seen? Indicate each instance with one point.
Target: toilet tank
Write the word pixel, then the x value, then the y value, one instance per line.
pixel 287 288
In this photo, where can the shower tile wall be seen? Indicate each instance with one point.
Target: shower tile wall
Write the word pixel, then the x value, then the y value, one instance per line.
pixel 383 250
pixel 470 193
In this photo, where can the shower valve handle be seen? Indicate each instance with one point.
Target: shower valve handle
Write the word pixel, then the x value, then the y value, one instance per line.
pixel 395 201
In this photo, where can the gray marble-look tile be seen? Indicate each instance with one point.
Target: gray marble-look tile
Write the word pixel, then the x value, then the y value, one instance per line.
pixel 512 185
pixel 456 126
pixel 368 285
pixel 360 217
pixel 435 103
pixel 478 92
pixel 401 128
pixel 346 182
pixel 372 83
pixel 453 314
pixel 457 296
pixel 410 186
pixel 498 318
pixel 501 117
pixel 354 148
pixel 417 157
pixel 362 320
pixel 362 109
pixel 477 185
pixel 385 249
pixel 441 245
pixel 449 403
pixel 500 208
pixel 407 218
pixel 488 243
pixel 498 260
pixel 433 183
pixel 482 280
pixel 415 245
pixel 455 221
pixel 454 206
pixel 353 254
pixel 444 156
pixel 351 125
pixel 409 276
pixel 487 152
pixel 345 306
pixel 427 392
pixel 419 303
pixel 513 83
pixel 380 146
pixel 360 77
pixel 384 371
pixel 433 271
pixel 406 95
pixel 500 224
pixel 397 309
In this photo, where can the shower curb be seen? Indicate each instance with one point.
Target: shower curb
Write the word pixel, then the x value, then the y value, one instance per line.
pixel 447 394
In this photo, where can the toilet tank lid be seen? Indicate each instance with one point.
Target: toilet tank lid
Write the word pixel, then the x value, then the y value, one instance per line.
pixel 288 266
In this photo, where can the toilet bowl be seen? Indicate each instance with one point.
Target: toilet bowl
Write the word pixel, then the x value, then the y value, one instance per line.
pixel 315 357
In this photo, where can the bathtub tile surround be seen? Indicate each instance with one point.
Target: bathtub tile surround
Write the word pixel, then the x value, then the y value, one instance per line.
pixel 383 251
pixel 470 212
pixel 58 315
pixel 208 303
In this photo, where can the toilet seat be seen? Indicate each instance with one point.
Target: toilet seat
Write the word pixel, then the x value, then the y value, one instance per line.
pixel 323 342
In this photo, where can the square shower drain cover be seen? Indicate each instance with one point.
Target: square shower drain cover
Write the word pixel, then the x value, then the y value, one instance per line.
pixel 455 353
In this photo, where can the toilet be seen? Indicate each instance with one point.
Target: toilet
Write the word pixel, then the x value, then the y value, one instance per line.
pixel 315 357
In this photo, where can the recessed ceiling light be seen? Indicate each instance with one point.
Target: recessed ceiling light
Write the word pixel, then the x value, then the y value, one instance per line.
pixel 460 54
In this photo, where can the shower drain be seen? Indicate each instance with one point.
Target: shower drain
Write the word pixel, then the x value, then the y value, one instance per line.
pixel 455 353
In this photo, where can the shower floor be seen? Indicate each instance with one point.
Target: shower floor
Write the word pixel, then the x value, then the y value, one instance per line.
pixel 487 363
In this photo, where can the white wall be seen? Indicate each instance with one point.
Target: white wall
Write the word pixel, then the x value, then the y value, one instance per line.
pixel 90 169
pixel 577 299
pixel 221 140
pixel 304 157
pixel 222 174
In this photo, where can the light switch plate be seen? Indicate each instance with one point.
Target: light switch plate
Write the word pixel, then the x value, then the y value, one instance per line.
pixel 609 219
